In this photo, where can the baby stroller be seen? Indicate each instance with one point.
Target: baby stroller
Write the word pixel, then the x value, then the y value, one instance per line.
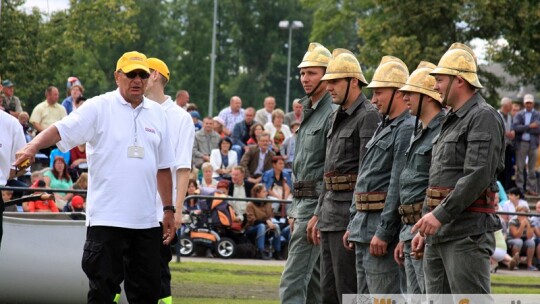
pixel 212 227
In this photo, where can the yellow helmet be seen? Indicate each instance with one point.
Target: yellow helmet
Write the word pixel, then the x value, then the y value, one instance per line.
pixel 391 73
pixel 316 56
pixel 343 65
pixel 422 82
pixel 459 60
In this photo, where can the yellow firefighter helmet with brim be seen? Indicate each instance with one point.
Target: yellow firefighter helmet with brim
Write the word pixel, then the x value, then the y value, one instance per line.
pixel 316 56
pixel 344 64
pixel 422 82
pixel 459 60
pixel 391 73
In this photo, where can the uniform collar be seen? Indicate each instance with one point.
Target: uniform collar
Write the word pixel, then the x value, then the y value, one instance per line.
pixel 357 103
pixel 469 104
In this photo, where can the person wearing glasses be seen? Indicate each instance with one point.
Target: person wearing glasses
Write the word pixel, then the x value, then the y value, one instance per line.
pixel 129 157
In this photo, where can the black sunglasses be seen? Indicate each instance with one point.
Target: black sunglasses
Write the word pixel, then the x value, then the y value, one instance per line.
pixel 133 74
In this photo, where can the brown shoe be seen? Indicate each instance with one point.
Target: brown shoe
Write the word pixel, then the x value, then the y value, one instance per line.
pixel 514 262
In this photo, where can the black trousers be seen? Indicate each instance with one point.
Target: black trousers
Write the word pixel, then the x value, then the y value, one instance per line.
pixel 505 176
pixel 113 254
pixel 165 258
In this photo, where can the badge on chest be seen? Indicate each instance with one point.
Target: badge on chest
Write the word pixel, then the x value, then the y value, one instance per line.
pixel 135 152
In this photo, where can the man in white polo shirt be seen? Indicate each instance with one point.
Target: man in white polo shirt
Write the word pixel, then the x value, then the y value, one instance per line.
pixel 129 155
pixel 11 140
pixel 182 134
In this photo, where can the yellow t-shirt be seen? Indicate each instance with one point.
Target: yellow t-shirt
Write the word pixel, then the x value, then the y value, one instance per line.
pixel 46 114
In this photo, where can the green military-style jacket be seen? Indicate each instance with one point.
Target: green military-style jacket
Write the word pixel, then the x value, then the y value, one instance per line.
pixel 309 154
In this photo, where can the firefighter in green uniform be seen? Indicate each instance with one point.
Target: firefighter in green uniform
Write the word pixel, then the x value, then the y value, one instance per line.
pixel 374 228
pixel 467 155
pixel 424 103
pixel 300 281
pixel 351 127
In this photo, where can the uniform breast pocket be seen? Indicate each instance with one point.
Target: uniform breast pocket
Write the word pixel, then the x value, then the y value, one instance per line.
pixel 453 149
pixel 479 146
pixel 422 158
pixel 314 140
pixel 348 143
pixel 384 152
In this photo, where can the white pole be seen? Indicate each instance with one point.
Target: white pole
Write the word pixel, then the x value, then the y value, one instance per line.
pixel 287 90
pixel 212 62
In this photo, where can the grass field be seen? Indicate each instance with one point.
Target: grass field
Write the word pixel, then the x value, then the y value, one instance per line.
pixel 211 283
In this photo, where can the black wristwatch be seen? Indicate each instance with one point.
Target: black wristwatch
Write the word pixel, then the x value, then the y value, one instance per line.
pixel 169 208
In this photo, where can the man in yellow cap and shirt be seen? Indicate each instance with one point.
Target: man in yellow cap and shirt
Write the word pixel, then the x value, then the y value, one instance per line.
pixel 374 227
pixel 182 134
pixel 424 103
pixel 300 281
pixel 128 146
pixel 351 127
pixel 460 204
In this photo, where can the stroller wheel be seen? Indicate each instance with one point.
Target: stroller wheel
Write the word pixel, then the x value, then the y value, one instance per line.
pixel 226 248
pixel 186 246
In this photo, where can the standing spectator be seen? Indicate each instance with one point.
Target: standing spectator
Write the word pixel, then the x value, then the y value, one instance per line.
pixel 239 188
pixel 207 180
pixel 75 92
pixel 515 109
pixel 240 134
pixel 71 81
pixel 182 99
pixel 296 115
pixel 254 132
pixel 521 236
pixel 206 140
pixel 47 112
pixel 223 159
pixel 127 137
pixel 287 148
pixel 182 134
pixel 264 115
pixel 505 177
pixel 232 114
pixel 259 221
pixel 59 178
pixel 258 159
pixel 526 127
pixel 278 131
pixel 10 102
pixel 11 140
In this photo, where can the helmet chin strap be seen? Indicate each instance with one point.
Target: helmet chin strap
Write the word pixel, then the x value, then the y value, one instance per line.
pixel 346 92
pixel 445 100
pixel 315 89
pixel 389 107
pixel 418 114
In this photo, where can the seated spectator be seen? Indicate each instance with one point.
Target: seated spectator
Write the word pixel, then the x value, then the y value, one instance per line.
pixel 219 126
pixel 196 117
pixel 77 204
pixel 240 188
pixel 207 180
pixel 193 203
pixel 500 254
pixel 58 178
pixel 81 184
pixel 278 131
pixel 241 130
pixel 259 222
pixel 258 159
pixel 515 199
pixel 279 184
pixel 205 141
pixel 296 115
pixel 7 195
pixel 535 221
pixel 223 159
pixel 39 205
pixel 255 130
pixel 288 146
pixel 77 163
pixel 57 153
pixel 520 237
pixel 29 132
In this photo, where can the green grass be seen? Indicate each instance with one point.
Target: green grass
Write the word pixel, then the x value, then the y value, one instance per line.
pixel 214 283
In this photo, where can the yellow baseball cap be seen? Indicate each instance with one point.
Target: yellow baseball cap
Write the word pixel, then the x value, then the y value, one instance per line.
pixel 132 61
pixel 160 66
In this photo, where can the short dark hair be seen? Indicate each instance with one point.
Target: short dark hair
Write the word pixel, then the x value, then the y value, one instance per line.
pixel 227 139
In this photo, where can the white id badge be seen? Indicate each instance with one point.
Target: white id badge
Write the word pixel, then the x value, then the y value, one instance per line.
pixel 135 152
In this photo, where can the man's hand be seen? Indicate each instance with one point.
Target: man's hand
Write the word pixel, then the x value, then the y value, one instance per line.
pixel 510 134
pixel 398 253
pixel 533 125
pixel 417 246
pixel 206 158
pixel 168 227
pixel 348 245
pixel 291 224
pixel 427 225
pixel 28 152
pixel 312 231
pixel 378 247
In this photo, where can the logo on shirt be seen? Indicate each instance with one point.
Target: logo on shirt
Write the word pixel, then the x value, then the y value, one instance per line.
pixel 150 130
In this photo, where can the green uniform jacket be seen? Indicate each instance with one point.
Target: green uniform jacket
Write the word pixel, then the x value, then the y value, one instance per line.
pixel 467 155
pixel 380 170
pixel 345 148
pixel 308 164
pixel 414 178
